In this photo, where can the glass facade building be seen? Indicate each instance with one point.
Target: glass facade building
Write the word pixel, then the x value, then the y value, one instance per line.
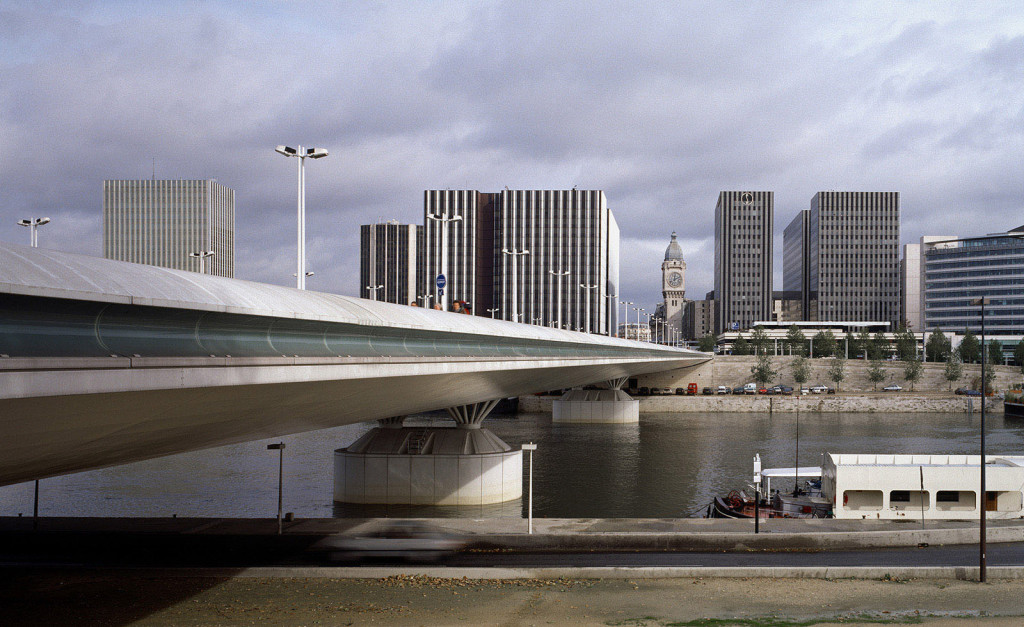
pixel 160 222
pixel 957 271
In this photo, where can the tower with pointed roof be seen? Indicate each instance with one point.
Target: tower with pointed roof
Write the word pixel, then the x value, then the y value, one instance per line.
pixel 673 283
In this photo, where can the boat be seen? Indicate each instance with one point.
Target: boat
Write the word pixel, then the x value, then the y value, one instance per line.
pixel 1013 404
pixel 804 501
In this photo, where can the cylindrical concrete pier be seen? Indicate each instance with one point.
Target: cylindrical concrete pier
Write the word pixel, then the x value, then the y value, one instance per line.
pixel 596 406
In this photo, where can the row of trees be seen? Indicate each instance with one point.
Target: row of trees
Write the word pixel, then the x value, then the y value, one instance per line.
pixel 764 373
pixel 871 347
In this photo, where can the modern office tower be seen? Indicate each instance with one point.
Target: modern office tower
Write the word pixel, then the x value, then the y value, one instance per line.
pixel 796 263
pixel 743 259
pixel 391 262
pixel 853 257
pixel 673 285
pixel 911 277
pixel 698 320
pixel 162 222
pixel 957 271
pixel 524 253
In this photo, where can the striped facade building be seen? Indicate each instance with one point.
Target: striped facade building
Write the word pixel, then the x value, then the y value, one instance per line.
pixel 525 252
pixel 391 262
pixel 160 222
pixel 744 224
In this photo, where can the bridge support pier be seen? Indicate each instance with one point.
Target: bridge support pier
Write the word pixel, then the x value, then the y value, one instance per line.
pixel 399 465
pixel 611 406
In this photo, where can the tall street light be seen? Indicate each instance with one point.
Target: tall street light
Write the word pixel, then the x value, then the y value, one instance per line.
pixel 493 311
pixel 443 220
pixel 982 576
pixel 515 254
pixel 279 447
pixel 374 288
pixel 611 303
pixel 33 225
pixel 202 255
pixel 558 277
pixel 625 314
pixel 301 153
pixel 426 299
pixel 587 317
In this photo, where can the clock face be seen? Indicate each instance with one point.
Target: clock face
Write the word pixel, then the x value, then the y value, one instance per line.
pixel 675 279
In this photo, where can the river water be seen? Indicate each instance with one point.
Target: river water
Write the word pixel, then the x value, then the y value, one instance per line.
pixel 668 465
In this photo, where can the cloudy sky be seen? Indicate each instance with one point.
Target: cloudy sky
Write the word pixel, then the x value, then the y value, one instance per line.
pixel 661 105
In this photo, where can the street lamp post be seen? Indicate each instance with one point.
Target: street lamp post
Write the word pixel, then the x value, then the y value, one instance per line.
pixel 515 254
pixel 202 255
pixel 982 575
pixel 625 314
pixel 301 153
pixel 443 220
pixel 33 225
pixel 611 303
pixel 558 277
pixel 493 311
pixel 279 447
pixel 531 447
pixel 374 288
pixel 426 299
pixel 588 288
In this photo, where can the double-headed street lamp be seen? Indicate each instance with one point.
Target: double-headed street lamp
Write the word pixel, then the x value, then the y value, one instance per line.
pixel 558 277
pixel 587 317
pixel 512 252
pixel 202 255
pixel 425 298
pixel 301 153
pixel 611 303
pixel 625 314
pixel 374 288
pixel 493 311
pixel 33 225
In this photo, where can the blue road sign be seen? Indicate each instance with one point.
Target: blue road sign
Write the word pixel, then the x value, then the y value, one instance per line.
pixel 441 282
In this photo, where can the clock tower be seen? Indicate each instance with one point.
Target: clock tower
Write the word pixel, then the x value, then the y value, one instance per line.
pixel 673 284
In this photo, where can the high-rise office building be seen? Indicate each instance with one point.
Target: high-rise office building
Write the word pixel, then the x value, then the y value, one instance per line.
pixel 958 271
pixel 743 259
pixel 523 253
pixel 796 264
pixel 698 320
pixel 391 262
pixel 162 222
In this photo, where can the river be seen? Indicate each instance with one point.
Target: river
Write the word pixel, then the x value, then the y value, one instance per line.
pixel 668 465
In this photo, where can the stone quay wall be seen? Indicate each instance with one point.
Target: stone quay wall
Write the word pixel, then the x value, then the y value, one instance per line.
pixel 734 370
pixel 812 403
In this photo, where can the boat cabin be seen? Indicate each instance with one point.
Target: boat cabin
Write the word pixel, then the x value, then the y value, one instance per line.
pixel 936 487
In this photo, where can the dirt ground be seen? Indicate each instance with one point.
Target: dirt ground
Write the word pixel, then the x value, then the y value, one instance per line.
pixel 123 598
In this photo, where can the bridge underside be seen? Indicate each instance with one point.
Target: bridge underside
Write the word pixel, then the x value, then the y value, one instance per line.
pixel 213 406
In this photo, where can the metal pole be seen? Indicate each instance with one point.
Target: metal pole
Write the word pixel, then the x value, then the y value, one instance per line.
pixel 300 255
pixel 982 575
pixel 279 447
pixel 531 493
pixel 35 509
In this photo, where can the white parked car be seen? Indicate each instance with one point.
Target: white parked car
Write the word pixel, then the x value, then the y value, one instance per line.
pixel 819 389
pixel 892 387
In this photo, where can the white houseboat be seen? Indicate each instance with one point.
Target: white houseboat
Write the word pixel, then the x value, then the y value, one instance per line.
pixel 936 487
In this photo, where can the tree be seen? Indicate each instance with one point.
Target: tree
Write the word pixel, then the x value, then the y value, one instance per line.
pixel 938 347
pixel 825 344
pixel 970 349
pixel 853 346
pixel 801 369
pixel 912 372
pixel 863 344
pixel 954 370
pixel 875 373
pixel 741 346
pixel 707 343
pixel 995 352
pixel 762 370
pixel 837 371
pixel 796 341
pixel 760 340
pixel 906 345
pixel 879 347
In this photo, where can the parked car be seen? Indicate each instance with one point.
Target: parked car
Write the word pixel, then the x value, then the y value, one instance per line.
pixel 644 391
pixel 691 389
pixel 784 389
pixel 819 389
pixel 804 391
pixel 972 393
pixel 961 391
pixel 831 391
pixel 892 387
pixel 707 391
pixel 680 392
pixel 762 390
pixel 722 390
pixel 750 388
pixel 739 390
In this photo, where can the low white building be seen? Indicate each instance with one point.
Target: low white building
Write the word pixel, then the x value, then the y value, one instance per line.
pixel 932 487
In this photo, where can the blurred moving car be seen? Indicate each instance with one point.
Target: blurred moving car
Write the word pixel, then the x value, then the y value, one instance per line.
pixel 409 540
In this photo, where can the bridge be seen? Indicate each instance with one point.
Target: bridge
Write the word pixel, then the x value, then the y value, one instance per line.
pixel 105 362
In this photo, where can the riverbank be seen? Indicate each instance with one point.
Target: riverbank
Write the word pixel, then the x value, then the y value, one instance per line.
pixel 864 402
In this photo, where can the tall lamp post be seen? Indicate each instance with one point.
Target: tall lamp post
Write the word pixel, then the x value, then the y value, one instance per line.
pixel 202 255
pixel 531 447
pixel 426 299
pixel 625 314
pixel 374 288
pixel 515 254
pixel 301 153
pixel 982 575
pixel 558 277
pixel 493 311
pixel 587 317
pixel 443 220
pixel 279 447
pixel 611 303
pixel 33 225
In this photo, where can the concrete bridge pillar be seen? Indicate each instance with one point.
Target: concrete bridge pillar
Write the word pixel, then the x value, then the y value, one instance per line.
pixel 464 465
pixel 611 406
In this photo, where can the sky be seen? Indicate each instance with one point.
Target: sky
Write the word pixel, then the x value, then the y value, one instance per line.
pixel 661 105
